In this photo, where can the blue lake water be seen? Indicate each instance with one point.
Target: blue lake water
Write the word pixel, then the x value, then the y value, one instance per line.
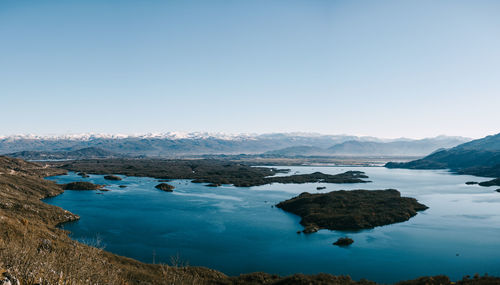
pixel 236 230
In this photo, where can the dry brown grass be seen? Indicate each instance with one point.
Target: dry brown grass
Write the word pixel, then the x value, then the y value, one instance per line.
pixel 36 260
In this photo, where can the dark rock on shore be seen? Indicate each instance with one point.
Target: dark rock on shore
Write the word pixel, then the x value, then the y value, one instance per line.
pixel 83 174
pixel 352 210
pixel 112 177
pixel 494 182
pixel 344 241
pixel 165 187
pixel 471 182
pixel 81 186
pixel 310 229
pixel 213 185
pixel 498 190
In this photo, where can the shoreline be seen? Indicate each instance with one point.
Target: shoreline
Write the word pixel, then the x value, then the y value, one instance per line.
pixel 250 271
pixel 144 271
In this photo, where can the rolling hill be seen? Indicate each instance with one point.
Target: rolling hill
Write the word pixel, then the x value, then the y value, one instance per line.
pixel 401 147
pixel 478 157
pixel 84 153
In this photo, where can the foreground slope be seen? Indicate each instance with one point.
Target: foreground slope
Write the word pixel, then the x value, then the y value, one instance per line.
pixel 32 248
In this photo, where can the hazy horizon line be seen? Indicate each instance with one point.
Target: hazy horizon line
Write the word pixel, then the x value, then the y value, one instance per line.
pixel 180 134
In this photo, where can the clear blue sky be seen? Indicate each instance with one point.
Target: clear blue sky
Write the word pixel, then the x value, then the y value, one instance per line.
pixel 382 68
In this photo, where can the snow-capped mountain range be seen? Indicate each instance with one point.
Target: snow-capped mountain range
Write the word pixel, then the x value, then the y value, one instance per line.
pixel 171 144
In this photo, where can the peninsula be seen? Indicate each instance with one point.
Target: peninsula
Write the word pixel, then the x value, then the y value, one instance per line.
pixel 211 171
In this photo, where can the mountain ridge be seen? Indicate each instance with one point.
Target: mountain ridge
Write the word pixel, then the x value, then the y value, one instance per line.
pixel 479 157
pixel 170 145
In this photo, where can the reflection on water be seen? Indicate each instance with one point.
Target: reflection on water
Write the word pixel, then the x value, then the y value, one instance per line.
pixel 237 230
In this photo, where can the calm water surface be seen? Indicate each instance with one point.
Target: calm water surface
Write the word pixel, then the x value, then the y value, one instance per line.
pixel 236 230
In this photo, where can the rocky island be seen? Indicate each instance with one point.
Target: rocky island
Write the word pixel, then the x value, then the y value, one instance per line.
pixel 83 174
pixel 81 186
pixel 112 177
pixel 351 210
pixel 344 241
pixel 165 187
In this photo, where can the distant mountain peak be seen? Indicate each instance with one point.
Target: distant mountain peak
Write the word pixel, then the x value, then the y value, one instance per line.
pixel 205 135
pixel 170 144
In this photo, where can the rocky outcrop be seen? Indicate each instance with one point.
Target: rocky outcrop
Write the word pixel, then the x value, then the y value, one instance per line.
pixel 309 229
pixel 7 279
pixel 344 241
pixel 112 177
